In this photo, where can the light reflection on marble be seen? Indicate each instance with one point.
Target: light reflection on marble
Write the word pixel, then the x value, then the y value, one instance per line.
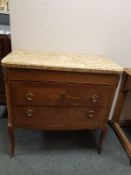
pixel 61 61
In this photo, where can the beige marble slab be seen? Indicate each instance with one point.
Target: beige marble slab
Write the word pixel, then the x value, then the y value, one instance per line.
pixel 61 61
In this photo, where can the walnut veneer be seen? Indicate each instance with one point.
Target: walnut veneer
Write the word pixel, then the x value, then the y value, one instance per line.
pixel 58 100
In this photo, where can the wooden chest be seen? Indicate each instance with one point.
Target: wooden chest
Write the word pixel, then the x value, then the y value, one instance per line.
pixel 58 100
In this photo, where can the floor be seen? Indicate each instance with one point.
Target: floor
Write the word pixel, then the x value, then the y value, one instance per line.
pixel 61 153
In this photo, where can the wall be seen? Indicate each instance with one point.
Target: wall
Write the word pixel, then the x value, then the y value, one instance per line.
pixel 94 26
pixel 75 25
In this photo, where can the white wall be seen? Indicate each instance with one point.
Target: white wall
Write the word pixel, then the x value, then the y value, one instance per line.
pixel 98 26
pixel 94 26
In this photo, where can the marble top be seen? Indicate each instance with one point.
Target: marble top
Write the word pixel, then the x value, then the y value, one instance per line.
pixel 61 62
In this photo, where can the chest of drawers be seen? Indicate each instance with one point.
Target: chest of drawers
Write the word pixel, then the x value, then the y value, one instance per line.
pixel 58 100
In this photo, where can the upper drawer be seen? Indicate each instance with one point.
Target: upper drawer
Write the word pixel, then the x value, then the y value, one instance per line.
pixel 57 94
pixel 61 76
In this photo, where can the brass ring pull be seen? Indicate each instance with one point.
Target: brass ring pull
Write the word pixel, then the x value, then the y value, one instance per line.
pixel 29 96
pixel 91 114
pixel 94 98
pixel 29 113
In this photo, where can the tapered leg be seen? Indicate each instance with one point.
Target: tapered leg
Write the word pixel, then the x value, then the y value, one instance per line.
pixel 11 140
pixel 101 139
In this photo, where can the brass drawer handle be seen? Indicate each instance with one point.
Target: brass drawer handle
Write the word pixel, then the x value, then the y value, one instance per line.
pixel 29 96
pixel 94 98
pixel 29 112
pixel 91 114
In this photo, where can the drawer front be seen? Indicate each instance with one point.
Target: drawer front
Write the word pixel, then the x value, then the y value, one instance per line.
pixel 58 117
pixel 61 76
pixel 56 94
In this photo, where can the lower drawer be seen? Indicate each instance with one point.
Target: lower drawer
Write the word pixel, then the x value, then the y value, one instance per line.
pixel 58 118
